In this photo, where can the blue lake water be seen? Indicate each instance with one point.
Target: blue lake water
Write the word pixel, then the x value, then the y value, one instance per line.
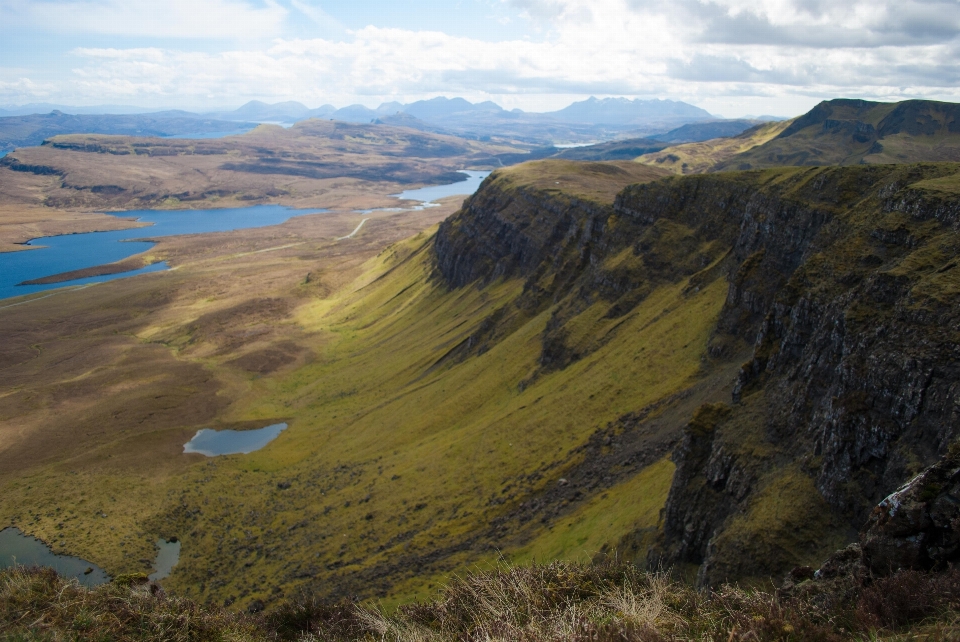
pixel 436 192
pixel 71 252
pixel 17 549
pixel 232 442
pixel 78 251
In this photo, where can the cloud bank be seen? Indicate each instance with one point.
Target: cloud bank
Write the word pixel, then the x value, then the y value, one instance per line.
pixel 721 54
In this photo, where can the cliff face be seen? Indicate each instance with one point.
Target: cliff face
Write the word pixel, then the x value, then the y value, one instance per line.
pixel 502 233
pixel 574 252
pixel 842 288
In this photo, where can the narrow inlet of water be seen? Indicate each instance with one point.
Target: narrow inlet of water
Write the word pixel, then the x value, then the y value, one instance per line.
pixel 433 193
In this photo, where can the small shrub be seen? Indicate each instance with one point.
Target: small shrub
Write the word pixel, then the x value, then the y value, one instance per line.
pixel 908 597
pixel 307 614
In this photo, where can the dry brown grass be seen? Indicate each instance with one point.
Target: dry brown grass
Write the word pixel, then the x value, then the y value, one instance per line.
pixel 617 602
pixel 558 601
pixel 36 604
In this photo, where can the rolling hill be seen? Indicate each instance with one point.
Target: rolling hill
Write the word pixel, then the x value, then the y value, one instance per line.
pixel 702 157
pixel 836 132
pixel 31 130
pixel 851 132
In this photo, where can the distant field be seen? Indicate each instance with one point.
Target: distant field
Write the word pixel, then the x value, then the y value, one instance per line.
pixel 59 187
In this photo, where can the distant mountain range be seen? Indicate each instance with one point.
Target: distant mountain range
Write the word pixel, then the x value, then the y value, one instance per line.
pixel 581 122
pixel 46 108
pixel 32 130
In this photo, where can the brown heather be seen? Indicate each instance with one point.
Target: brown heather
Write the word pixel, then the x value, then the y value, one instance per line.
pixel 558 601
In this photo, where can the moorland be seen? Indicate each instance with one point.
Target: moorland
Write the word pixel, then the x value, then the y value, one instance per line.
pixel 720 373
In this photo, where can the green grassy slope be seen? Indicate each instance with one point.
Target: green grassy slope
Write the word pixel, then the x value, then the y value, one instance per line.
pixel 851 132
pixel 698 158
pixel 409 457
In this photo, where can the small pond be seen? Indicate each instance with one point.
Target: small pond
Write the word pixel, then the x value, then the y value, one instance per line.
pixel 232 442
pixel 17 549
pixel 168 554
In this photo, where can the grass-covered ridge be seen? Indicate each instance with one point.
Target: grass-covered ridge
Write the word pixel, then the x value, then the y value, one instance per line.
pixel 835 132
pixel 698 158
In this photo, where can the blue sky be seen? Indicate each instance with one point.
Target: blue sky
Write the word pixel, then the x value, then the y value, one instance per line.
pixel 732 57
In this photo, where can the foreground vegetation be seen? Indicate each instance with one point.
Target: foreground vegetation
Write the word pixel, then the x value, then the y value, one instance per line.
pixel 558 601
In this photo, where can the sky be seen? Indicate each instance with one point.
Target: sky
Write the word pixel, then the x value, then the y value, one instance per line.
pixel 730 57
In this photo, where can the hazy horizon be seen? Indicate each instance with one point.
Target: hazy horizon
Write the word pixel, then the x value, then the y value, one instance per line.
pixel 730 57
pixel 136 109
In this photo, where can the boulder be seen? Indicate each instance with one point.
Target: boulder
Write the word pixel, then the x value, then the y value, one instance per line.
pixel 918 526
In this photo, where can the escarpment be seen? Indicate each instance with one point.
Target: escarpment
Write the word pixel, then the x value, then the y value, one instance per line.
pixel 842 292
pixel 853 383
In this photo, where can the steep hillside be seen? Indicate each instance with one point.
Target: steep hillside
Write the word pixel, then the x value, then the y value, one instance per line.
pixel 431 427
pixel 514 385
pixel 852 132
pixel 698 158
pixel 841 279
pixel 844 283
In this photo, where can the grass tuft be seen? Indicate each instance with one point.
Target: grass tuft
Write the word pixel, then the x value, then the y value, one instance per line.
pixel 37 604
pixel 605 602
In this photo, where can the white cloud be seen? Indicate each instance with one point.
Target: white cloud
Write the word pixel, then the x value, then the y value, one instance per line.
pixel 763 55
pixel 152 18
pixel 20 87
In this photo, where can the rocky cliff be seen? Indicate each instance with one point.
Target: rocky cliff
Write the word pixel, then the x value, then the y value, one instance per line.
pixel 842 304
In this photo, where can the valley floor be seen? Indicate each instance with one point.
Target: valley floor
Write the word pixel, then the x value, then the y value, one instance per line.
pixel 405 460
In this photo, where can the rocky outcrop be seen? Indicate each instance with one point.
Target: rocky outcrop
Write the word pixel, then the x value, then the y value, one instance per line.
pixel 914 530
pixel 854 374
pixel 505 231
pixel 572 252
pixel 843 289
pixel 918 526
